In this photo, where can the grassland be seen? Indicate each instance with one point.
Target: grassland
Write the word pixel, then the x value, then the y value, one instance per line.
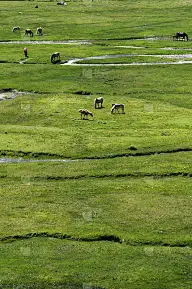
pixel 104 202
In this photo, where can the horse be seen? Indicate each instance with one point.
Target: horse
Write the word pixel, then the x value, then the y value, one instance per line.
pixel 85 113
pixel 28 32
pixel 116 107
pixel 55 56
pixel 17 28
pixel 98 102
pixel 39 31
pixel 180 36
pixel 25 51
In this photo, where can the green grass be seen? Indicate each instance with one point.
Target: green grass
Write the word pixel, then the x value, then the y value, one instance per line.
pixel 101 197
pixel 97 19
pixel 147 125
pixel 117 213
pixel 148 264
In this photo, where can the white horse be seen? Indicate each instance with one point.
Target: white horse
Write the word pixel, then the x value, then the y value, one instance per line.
pixel 55 56
pixel 116 107
pixel 39 31
pixel 17 28
pixel 85 113
pixel 98 102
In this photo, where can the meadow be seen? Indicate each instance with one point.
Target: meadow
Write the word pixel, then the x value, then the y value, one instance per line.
pixel 103 203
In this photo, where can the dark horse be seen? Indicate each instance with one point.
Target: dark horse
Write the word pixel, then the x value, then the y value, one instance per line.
pixel 29 32
pixel 98 102
pixel 181 36
pixel 55 57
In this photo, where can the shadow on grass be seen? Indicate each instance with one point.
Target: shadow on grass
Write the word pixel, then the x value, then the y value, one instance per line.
pixel 56 61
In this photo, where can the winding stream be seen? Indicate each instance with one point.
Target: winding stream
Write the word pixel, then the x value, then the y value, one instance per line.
pixel 179 59
pixel 20 160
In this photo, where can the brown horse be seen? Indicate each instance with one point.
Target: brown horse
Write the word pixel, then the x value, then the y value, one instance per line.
pixel 85 113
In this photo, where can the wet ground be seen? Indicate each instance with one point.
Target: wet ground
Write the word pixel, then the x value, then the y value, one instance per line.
pixel 176 59
pixel 10 94
pixel 21 160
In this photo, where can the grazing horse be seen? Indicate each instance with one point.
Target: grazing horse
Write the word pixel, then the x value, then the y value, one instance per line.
pixel 98 102
pixel 28 32
pixel 25 51
pixel 17 28
pixel 180 36
pixel 85 113
pixel 39 31
pixel 116 107
pixel 55 57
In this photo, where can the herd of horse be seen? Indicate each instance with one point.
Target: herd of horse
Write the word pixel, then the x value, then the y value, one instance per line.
pixel 28 32
pixel 98 103
pixel 39 31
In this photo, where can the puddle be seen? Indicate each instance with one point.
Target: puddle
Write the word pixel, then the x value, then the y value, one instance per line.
pixel 11 94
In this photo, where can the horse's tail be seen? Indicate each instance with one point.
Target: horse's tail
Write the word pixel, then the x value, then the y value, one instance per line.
pixel 95 102
pixel 31 33
pixel 186 36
